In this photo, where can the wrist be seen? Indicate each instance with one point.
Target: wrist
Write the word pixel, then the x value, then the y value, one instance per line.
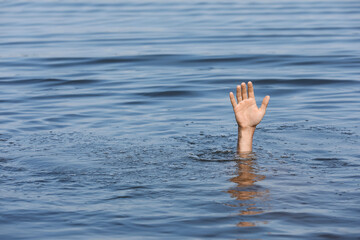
pixel 246 131
pixel 245 138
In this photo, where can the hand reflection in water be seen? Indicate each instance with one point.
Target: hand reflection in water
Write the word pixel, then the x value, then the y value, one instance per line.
pixel 251 199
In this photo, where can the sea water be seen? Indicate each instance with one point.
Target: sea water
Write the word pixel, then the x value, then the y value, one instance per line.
pixel 115 121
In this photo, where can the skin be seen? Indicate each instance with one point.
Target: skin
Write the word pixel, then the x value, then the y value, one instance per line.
pixel 247 115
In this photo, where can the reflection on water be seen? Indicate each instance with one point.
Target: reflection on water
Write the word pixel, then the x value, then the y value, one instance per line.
pixel 251 198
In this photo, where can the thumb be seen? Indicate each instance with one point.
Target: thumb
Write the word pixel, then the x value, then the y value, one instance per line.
pixel 265 103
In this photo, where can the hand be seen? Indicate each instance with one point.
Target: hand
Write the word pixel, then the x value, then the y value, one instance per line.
pixel 247 114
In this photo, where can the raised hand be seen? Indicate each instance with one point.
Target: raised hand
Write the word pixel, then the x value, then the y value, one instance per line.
pixel 247 114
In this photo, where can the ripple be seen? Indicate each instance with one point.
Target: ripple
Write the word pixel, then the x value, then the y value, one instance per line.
pixel 175 93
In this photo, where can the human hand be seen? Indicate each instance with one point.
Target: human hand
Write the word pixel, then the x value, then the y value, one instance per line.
pixel 247 114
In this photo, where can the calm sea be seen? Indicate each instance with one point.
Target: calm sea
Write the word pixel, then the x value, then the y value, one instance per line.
pixel 115 121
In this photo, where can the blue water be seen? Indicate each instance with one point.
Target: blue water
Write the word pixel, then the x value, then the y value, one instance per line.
pixel 115 121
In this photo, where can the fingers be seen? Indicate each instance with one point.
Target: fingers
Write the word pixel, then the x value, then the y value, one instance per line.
pixel 238 93
pixel 251 90
pixel 232 100
pixel 243 91
pixel 265 103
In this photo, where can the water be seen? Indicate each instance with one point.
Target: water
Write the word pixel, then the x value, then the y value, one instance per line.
pixel 116 123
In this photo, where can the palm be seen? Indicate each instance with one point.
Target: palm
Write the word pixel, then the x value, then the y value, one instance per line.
pixel 247 113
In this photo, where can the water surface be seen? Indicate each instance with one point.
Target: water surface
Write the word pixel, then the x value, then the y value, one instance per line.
pixel 116 123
